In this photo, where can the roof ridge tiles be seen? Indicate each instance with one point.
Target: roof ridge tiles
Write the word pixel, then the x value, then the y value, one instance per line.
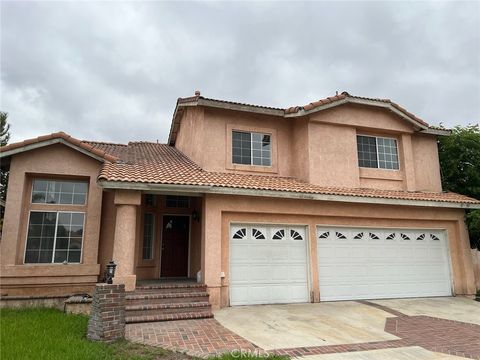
pixel 102 143
pixel 59 135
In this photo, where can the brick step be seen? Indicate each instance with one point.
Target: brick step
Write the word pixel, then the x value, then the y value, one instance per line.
pixel 168 298
pixel 162 309
pixel 168 317
pixel 171 288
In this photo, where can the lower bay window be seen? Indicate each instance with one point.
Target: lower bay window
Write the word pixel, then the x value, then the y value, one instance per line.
pixel 56 222
pixel 54 237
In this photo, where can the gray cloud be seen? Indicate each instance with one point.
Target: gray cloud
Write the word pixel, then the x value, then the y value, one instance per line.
pixel 113 71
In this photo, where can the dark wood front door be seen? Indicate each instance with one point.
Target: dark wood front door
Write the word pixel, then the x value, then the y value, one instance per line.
pixel 175 235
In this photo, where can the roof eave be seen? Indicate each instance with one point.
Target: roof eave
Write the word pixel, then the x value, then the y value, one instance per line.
pixel 240 107
pixel 208 189
pixel 438 132
pixel 200 101
pixel 28 147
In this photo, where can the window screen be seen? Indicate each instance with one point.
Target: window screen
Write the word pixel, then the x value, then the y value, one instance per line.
pixel 249 148
pixel 54 237
pixel 377 152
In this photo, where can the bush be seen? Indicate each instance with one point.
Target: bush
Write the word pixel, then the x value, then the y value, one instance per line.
pixel 473 224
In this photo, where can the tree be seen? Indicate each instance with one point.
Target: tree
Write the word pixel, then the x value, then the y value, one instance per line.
pixel 4 138
pixel 460 167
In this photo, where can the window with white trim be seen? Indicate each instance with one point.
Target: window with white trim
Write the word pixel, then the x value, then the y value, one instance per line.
pixel 54 237
pixel 64 192
pixel 148 235
pixel 54 233
pixel 251 148
pixel 377 152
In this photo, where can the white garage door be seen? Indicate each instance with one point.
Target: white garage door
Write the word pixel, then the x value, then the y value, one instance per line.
pixel 360 263
pixel 268 264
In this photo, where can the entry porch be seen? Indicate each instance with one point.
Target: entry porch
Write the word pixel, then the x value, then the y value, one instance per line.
pixel 156 238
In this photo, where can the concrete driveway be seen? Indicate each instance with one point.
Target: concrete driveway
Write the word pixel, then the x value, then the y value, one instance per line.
pixel 433 328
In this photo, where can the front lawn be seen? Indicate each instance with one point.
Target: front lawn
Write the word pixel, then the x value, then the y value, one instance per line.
pixel 51 334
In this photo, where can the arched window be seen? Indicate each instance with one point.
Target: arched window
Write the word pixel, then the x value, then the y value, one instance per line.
pixel 404 236
pixel 433 237
pixel 295 235
pixel 279 235
pixel 257 234
pixel 359 236
pixel 240 234
pixel 324 235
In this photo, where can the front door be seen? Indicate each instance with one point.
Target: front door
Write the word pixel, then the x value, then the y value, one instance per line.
pixel 175 235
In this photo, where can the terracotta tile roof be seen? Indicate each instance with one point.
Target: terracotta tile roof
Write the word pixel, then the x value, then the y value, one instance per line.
pixel 197 97
pixel 344 95
pixel 153 163
pixel 61 135
pixel 293 111
pixel 313 105
pixel 145 162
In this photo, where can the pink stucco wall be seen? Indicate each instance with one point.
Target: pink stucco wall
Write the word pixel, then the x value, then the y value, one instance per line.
pixel 221 210
pixel 307 147
pixel 18 278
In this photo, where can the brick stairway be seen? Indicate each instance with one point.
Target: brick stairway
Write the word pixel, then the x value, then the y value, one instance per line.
pixel 167 301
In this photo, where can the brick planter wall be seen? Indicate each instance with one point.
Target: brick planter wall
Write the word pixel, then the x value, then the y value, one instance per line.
pixel 107 317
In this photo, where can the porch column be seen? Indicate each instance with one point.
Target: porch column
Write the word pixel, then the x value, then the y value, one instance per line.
pixel 126 202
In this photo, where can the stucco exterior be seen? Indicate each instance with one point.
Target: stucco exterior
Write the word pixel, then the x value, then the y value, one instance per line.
pixel 55 161
pixel 221 211
pixel 318 148
pixel 304 147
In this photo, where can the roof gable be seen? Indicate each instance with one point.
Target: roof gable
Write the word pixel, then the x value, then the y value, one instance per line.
pixel 56 138
pixel 363 118
pixel 299 111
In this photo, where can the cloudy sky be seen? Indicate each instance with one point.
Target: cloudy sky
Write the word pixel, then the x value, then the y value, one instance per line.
pixel 112 71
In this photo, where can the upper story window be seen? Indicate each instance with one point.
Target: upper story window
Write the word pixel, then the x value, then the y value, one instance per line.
pixel 250 148
pixel 62 192
pixel 377 152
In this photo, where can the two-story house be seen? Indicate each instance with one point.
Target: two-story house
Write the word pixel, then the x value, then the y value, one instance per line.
pixel 335 200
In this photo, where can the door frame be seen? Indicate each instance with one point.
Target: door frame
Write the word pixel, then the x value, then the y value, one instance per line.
pixel 189 241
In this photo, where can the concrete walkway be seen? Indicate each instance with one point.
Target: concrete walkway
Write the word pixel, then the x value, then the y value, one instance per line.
pixel 305 325
pixel 404 353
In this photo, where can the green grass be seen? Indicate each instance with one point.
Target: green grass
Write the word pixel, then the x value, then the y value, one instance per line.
pixel 39 333
pixel 51 334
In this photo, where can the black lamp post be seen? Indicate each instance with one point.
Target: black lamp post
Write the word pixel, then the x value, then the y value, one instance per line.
pixel 110 272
